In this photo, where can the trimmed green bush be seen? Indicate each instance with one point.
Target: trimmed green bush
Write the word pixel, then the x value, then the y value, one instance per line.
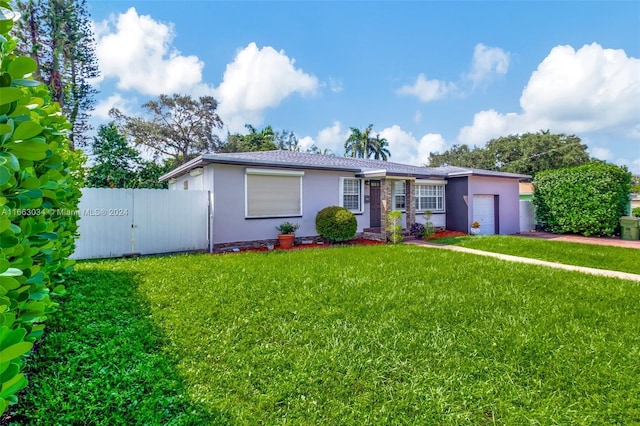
pixel 39 183
pixel 587 200
pixel 635 212
pixel 336 224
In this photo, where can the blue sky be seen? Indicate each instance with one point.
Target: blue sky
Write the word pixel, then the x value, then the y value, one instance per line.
pixel 427 75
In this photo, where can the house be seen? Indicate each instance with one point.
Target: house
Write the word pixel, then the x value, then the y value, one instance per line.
pixel 526 191
pixel 253 192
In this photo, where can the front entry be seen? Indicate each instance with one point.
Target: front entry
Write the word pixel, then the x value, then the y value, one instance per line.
pixel 374 203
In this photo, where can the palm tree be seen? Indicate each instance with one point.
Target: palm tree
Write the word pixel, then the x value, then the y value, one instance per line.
pixel 358 143
pixel 379 148
pixel 361 144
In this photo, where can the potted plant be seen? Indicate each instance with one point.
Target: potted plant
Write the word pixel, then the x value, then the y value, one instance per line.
pixel 287 234
pixel 475 227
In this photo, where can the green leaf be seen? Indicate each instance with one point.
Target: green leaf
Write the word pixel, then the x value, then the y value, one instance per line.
pixel 12 338
pixel 9 373
pixel 15 351
pixel 22 66
pixel 29 150
pixel 5 175
pixel 13 386
pixel 11 272
pixel 12 161
pixel 9 283
pixel 9 94
pixel 27 130
pixel 5 128
pixel 26 82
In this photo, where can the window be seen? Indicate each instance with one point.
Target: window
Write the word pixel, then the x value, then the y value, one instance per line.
pixel 351 194
pixel 273 193
pixel 429 197
pixel 399 197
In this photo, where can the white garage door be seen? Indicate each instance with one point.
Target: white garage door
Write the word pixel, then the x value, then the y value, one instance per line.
pixel 483 212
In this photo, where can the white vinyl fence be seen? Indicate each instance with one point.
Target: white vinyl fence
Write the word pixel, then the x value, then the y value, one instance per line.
pixel 527 216
pixel 117 222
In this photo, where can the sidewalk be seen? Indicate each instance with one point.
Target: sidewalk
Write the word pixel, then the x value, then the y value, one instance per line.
pixel 510 258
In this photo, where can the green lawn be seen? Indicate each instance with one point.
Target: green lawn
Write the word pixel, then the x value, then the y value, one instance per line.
pixel 352 335
pixel 591 255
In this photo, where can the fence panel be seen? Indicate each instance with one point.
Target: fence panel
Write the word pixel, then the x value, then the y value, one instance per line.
pixel 117 222
pixel 527 216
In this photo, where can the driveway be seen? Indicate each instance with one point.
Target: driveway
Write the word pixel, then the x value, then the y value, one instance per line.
pixel 603 241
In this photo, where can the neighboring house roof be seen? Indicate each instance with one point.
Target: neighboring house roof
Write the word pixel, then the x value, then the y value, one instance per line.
pixel 526 188
pixel 305 160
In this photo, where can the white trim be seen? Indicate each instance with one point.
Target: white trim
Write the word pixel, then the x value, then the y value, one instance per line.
pixel 341 193
pixel 274 172
pixel 430 182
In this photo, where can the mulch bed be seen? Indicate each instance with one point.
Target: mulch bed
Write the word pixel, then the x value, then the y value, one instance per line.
pixel 446 234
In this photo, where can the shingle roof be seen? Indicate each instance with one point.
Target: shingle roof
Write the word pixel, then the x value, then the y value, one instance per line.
pixel 292 159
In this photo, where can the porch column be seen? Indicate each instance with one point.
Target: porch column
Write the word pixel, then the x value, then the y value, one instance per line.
pixel 409 204
pixel 386 189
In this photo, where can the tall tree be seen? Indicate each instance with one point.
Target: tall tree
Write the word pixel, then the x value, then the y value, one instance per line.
pixel 57 35
pixel 263 140
pixel 287 141
pixel 115 161
pixel 180 127
pixel 362 144
pixel 527 153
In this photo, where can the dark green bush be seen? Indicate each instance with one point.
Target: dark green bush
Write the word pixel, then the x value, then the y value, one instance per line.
pixel 39 183
pixel 336 224
pixel 635 212
pixel 587 200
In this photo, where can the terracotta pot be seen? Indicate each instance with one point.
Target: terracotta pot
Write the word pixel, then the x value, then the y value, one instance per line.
pixel 286 240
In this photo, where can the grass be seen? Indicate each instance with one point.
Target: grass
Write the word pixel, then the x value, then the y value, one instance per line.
pixel 353 335
pixel 590 255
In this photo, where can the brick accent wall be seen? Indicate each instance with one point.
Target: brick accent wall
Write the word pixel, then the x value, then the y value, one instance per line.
pixel 386 203
pixel 410 205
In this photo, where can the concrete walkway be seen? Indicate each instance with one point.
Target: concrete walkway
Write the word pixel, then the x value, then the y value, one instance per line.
pixel 510 258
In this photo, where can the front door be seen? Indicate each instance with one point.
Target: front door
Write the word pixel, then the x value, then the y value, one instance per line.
pixel 374 203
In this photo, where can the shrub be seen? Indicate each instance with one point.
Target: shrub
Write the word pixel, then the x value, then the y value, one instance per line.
pixel 287 228
pixel 394 228
pixel 336 224
pixel 417 230
pixel 635 212
pixel 40 179
pixel 587 200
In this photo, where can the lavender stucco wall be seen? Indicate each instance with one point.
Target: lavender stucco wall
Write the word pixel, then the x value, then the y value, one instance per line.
pixel 509 207
pixel 319 190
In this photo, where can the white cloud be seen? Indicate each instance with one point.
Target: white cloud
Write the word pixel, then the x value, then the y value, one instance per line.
pixel 487 61
pixel 589 90
pixel 406 149
pixel 306 143
pixel 258 79
pixel 138 54
pixel 335 85
pixel 427 90
pixel 601 153
pixel 114 101
pixel 333 138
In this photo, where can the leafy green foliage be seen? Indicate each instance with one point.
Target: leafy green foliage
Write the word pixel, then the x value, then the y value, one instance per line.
pixel 336 224
pixel 58 35
pixel 119 165
pixel 587 200
pixel 394 229
pixel 352 335
pixel 526 154
pixel 263 140
pixel 39 184
pixel 577 254
pixel 635 211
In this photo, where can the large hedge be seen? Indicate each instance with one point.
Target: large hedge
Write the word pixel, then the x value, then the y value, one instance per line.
pixel 587 200
pixel 40 179
pixel 336 224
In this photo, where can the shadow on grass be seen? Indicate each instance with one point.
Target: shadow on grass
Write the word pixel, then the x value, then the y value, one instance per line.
pixel 102 362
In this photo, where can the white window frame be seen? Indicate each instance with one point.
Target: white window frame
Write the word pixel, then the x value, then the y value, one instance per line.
pixel 361 194
pixel 437 184
pixel 271 172
pixel 402 194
